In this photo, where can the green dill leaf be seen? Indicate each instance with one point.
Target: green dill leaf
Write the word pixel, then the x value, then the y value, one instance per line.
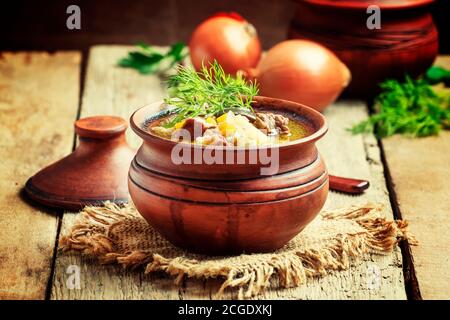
pixel 209 92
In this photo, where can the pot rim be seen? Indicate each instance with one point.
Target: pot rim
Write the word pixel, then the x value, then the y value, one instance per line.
pixel 349 4
pixel 315 117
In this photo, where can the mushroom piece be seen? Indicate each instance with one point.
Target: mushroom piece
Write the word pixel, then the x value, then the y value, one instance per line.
pixel 271 123
pixel 282 123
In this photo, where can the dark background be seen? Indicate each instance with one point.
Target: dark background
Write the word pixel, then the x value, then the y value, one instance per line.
pixel 41 25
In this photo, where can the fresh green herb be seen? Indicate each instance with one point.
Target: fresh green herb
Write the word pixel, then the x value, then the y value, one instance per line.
pixel 210 92
pixel 437 74
pixel 147 59
pixel 412 108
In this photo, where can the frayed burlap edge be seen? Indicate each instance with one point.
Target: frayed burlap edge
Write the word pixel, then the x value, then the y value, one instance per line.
pixel 89 236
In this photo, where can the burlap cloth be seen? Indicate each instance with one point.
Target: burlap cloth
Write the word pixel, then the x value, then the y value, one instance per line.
pixel 330 243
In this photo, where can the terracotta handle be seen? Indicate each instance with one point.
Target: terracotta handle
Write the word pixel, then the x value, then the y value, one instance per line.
pixel 348 185
pixel 100 127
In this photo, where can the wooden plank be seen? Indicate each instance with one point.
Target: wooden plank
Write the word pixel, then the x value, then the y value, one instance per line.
pixel 38 104
pixel 420 173
pixel 111 90
pixel 345 154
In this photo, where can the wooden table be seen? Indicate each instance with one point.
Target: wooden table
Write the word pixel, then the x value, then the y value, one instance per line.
pixel 39 101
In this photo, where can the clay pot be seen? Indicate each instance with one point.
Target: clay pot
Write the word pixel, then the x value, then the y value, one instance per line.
pixel 95 172
pixel 156 152
pixel 212 209
pixel 270 188
pixel 229 228
pixel 407 42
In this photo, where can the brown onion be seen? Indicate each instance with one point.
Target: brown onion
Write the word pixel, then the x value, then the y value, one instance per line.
pixel 302 71
pixel 227 38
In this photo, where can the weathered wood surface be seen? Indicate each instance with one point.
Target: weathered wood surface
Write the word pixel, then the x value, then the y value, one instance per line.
pixel 420 170
pixel 111 90
pixel 118 91
pixel 38 104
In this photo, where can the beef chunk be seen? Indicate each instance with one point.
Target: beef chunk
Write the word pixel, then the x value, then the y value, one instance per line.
pixel 196 127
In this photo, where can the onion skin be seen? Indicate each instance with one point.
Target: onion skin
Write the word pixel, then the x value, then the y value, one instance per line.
pixel 301 71
pixel 227 38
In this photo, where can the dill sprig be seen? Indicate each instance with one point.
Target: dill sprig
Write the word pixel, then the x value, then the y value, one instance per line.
pixel 209 92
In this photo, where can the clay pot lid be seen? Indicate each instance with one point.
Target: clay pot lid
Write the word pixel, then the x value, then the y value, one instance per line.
pixel 95 172
pixel 358 4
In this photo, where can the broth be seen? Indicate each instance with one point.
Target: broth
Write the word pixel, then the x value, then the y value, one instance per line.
pixel 244 132
pixel 297 131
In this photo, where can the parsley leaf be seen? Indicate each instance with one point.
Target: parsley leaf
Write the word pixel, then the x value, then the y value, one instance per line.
pixel 148 60
pixel 412 107
pixel 437 74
